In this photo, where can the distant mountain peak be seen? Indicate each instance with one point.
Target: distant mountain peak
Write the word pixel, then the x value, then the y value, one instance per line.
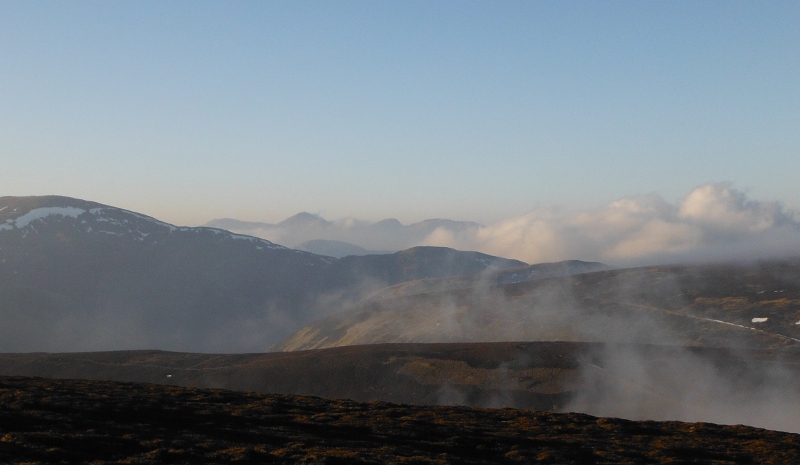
pixel 387 223
pixel 304 218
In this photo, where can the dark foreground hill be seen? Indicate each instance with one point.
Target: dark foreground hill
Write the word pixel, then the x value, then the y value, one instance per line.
pixel 68 421
pixel 759 388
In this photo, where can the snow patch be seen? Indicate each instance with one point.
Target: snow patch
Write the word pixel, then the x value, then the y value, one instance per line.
pixel 97 211
pixel 5 227
pixel 782 336
pixel 726 323
pixel 1 209
pixel 39 213
pixel 255 240
pixel 759 320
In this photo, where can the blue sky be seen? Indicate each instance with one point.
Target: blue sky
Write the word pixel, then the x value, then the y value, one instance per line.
pixel 189 111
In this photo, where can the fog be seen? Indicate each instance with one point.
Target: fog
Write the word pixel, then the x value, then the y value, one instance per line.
pixel 651 367
pixel 627 381
pixel 656 356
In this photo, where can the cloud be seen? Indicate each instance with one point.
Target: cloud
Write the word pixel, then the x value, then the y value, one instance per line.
pixel 713 222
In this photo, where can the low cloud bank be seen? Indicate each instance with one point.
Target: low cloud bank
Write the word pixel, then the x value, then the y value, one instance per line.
pixel 713 222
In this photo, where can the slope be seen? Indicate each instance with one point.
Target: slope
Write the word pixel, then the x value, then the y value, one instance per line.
pixel 78 275
pixel 45 421
pixel 724 305
pixel 633 381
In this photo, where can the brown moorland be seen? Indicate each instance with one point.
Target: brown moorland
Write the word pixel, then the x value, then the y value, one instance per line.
pixel 634 381
pixel 98 422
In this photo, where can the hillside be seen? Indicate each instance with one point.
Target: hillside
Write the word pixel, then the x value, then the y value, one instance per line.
pixel 336 249
pixel 418 263
pixel 634 381
pixel 48 421
pixel 725 305
pixel 78 275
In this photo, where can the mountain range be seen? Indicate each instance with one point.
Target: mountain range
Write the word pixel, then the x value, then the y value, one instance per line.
pixel 426 325
pixel 306 231
pixel 79 275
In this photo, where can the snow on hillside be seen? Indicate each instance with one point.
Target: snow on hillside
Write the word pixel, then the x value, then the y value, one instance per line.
pixel 116 221
pixel 40 213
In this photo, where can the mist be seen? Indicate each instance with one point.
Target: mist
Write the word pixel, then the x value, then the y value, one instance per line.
pixel 651 367
pixel 654 352
pixel 628 381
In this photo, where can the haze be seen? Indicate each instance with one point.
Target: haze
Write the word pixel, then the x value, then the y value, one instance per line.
pixel 479 111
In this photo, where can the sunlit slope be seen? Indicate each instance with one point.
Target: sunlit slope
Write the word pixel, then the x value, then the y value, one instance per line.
pixel 754 305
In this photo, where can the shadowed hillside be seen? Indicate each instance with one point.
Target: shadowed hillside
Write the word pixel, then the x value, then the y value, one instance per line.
pixel 758 388
pixel 78 275
pixel 49 421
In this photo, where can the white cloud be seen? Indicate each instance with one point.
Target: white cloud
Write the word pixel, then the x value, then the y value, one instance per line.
pixel 713 222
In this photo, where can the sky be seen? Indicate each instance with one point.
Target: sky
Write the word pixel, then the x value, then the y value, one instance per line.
pixel 469 110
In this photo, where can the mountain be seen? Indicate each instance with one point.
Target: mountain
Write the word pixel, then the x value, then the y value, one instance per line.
pixel 79 275
pixel 418 263
pixel 723 305
pixel 389 234
pixel 304 220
